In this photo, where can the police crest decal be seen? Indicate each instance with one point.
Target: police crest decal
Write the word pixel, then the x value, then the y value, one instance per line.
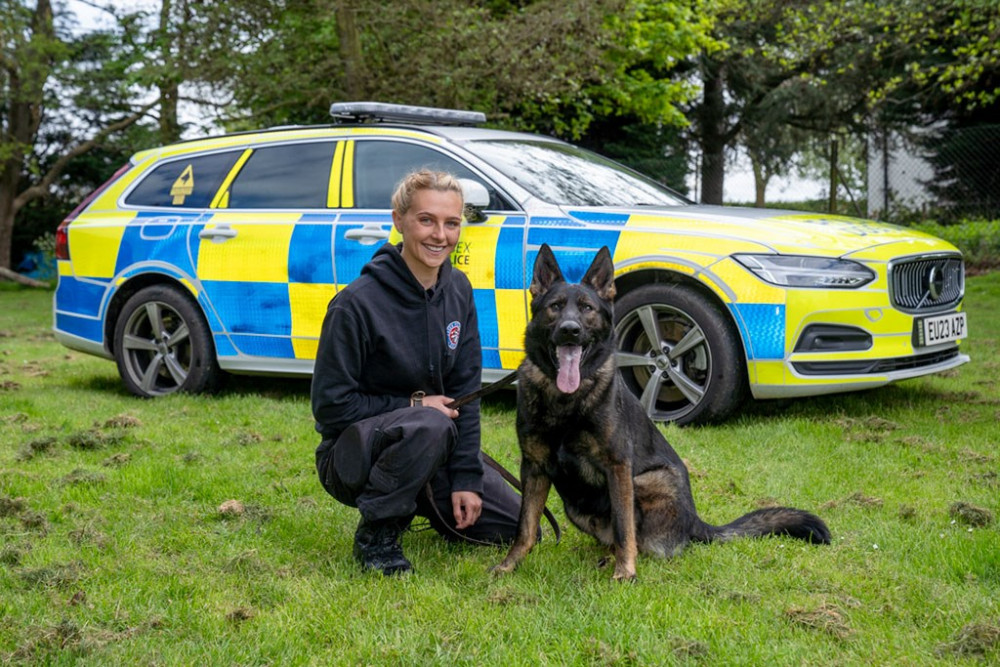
pixel 453 331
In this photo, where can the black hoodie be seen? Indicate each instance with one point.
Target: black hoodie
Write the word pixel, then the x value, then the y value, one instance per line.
pixel 385 337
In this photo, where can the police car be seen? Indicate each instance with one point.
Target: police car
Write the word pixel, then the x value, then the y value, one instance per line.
pixel 219 256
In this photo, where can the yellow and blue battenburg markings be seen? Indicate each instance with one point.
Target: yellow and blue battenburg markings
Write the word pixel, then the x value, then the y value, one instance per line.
pixel 492 255
pixel 258 307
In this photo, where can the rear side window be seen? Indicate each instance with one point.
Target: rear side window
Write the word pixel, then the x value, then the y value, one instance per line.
pixel 290 176
pixel 185 183
pixel 380 165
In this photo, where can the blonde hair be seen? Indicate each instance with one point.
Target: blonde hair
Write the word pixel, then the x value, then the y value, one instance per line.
pixel 424 179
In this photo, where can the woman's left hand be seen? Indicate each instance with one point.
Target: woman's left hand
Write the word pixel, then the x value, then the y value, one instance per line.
pixel 466 506
pixel 440 403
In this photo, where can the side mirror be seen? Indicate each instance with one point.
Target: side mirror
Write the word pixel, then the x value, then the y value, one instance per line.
pixel 477 197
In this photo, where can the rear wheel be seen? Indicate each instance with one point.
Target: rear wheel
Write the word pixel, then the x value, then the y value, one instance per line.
pixel 163 345
pixel 679 354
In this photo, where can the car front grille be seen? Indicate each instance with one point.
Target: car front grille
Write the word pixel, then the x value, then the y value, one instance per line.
pixel 927 284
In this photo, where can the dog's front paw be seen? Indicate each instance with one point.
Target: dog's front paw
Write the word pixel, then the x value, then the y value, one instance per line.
pixel 624 576
pixel 502 568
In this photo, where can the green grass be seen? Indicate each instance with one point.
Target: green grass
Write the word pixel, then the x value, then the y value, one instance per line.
pixel 113 549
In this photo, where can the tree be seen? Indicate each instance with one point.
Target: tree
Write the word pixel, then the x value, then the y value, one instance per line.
pixel 833 67
pixel 781 67
pixel 551 66
pixel 40 69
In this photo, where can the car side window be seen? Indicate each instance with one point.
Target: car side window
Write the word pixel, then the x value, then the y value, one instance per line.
pixel 286 176
pixel 380 165
pixel 187 183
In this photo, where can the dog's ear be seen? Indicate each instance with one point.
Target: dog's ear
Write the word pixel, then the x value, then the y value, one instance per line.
pixel 547 272
pixel 601 275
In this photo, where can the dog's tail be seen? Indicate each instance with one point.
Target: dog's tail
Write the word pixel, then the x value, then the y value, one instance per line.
pixel 769 521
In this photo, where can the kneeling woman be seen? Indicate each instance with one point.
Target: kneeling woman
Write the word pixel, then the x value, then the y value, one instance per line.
pixel 397 346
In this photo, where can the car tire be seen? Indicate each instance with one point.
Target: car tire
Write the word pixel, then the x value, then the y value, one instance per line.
pixel 163 345
pixel 679 354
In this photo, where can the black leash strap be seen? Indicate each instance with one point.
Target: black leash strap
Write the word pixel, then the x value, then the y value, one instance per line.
pixel 508 476
pixel 484 391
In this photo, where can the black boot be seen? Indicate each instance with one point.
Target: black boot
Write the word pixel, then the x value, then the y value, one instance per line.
pixel 376 546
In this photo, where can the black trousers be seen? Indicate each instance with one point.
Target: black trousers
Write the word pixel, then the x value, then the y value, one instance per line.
pixel 382 464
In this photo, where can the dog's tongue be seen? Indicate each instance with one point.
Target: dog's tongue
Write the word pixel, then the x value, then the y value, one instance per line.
pixel 568 379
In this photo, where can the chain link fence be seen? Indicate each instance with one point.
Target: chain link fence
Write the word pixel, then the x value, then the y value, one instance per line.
pixel 944 174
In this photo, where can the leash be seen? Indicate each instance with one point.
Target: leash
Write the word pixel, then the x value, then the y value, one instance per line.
pixel 483 391
pixel 507 475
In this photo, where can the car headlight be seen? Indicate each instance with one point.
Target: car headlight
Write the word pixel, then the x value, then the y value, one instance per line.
pixel 804 271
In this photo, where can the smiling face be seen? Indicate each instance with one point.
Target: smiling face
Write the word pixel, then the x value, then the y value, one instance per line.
pixel 430 230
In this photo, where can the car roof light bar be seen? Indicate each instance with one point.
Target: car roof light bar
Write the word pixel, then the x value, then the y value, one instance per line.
pixel 380 112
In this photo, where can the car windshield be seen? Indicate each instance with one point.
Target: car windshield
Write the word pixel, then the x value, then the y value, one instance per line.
pixel 571 176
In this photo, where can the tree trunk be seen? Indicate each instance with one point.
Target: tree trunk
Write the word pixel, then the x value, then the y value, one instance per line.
pixel 760 179
pixel 27 72
pixel 170 128
pixel 6 225
pixel 712 118
pixel 18 278
pixel 350 48
pixel 834 158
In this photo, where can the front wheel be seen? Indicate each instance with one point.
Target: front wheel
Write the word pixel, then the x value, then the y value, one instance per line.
pixel 163 345
pixel 679 354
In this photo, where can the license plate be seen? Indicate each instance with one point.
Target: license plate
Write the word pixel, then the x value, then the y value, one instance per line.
pixel 941 329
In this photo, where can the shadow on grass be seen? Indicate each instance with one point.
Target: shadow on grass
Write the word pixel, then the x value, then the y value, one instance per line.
pixel 872 402
pixel 868 403
pixel 274 388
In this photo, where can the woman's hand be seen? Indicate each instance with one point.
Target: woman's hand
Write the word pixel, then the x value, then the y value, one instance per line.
pixel 466 506
pixel 439 402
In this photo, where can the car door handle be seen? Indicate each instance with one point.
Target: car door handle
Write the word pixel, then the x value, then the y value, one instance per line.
pixel 367 235
pixel 217 234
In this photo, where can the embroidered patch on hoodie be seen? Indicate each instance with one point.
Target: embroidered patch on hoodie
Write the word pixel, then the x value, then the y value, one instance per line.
pixel 453 332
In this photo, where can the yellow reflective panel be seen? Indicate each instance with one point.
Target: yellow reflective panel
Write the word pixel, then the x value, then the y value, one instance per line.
pixel 305 348
pixel 475 254
pixel 347 182
pixel 93 245
pixel 336 171
pixel 309 303
pixel 257 253
pixel 512 318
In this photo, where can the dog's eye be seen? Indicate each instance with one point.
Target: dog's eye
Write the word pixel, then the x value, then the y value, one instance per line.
pixel 555 307
pixel 586 308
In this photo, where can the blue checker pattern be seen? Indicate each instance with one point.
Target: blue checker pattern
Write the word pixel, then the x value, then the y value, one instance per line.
pixel 155 237
pixel 555 222
pixel 351 256
pixel 763 328
pixel 602 218
pixel 84 327
pixel 486 311
pixel 224 347
pixel 574 248
pixel 264 346
pixel 509 263
pixel 491 359
pixel 254 308
pixel 310 253
pixel 206 307
pixel 83 297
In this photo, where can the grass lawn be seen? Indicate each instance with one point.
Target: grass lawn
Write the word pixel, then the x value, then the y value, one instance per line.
pixel 116 547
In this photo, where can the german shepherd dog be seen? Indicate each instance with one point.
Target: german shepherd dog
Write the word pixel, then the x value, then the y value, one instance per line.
pixel 580 429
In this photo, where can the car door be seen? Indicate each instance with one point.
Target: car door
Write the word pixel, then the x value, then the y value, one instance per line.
pixel 265 257
pixel 490 253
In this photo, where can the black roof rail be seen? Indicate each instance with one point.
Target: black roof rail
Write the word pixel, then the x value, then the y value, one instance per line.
pixel 377 112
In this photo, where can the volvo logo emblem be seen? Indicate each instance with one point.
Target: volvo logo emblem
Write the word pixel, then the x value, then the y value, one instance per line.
pixel 935 282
